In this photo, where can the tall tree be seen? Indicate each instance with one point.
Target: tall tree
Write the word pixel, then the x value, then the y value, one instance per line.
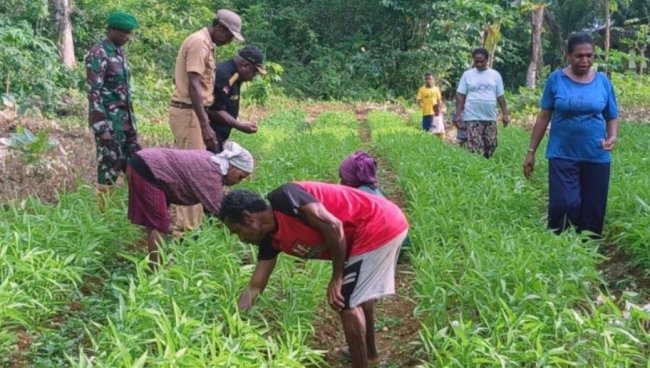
pixel 608 17
pixel 535 60
pixel 609 7
pixel 62 10
pixel 490 39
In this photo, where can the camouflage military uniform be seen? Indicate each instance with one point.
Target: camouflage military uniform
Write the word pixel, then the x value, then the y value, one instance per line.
pixel 110 109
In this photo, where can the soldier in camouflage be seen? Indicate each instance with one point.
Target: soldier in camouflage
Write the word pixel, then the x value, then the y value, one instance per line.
pixel 111 115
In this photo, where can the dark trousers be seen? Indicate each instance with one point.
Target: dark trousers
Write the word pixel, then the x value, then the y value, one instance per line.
pixel 426 122
pixel 577 195
pixel 112 158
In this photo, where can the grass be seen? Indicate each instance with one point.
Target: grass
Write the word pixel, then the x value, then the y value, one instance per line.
pixel 628 213
pixel 494 286
pixel 47 252
pixel 73 281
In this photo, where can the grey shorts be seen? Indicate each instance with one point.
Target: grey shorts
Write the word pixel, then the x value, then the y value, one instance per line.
pixel 371 275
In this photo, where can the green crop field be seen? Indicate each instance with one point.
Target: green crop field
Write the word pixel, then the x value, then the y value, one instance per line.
pixel 492 287
pixel 481 281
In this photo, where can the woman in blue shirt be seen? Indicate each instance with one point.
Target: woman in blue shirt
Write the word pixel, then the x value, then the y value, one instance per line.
pixel 581 106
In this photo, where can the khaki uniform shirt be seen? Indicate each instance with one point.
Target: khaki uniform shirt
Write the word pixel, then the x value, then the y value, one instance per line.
pixel 195 55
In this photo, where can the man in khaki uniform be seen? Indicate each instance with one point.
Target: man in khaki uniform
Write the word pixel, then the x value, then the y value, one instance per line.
pixel 193 92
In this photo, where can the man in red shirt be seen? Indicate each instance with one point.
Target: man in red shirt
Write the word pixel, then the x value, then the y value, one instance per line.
pixel 360 233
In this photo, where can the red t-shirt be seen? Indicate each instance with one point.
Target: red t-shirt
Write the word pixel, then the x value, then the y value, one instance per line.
pixel 369 221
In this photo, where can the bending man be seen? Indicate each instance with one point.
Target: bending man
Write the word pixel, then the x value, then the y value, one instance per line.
pixel 358 232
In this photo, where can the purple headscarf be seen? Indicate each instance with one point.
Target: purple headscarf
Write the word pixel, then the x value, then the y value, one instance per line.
pixel 358 169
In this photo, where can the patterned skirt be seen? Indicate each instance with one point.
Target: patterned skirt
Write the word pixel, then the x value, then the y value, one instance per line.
pixel 147 203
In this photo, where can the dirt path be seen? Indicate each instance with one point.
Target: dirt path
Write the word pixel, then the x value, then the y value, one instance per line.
pixel 395 324
pixel 621 275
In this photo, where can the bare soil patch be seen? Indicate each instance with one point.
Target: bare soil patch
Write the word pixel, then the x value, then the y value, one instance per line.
pixel 57 170
pixel 18 358
pixel 254 113
pixel 362 109
pixel 627 114
pixel 640 114
pixel 622 275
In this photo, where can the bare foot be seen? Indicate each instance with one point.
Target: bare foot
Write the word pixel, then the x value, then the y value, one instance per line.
pixel 343 353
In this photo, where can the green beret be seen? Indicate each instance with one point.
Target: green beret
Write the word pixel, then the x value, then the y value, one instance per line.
pixel 122 21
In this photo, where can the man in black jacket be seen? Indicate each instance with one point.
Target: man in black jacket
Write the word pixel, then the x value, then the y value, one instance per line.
pixel 229 76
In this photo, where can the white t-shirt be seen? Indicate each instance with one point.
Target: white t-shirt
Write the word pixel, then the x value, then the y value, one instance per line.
pixel 482 89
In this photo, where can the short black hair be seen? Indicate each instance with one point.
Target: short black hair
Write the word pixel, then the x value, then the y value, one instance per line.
pixel 578 38
pixel 237 201
pixel 481 51
pixel 428 74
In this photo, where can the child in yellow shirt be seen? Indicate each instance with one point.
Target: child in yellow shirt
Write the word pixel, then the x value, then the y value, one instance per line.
pixel 430 100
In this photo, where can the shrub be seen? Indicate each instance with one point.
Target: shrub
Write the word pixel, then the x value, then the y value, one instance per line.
pixel 30 69
pixel 32 147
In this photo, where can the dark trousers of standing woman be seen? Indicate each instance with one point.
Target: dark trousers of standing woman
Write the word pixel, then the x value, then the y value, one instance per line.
pixel 577 195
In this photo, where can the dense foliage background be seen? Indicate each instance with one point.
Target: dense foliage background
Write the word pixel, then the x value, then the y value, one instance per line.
pixel 322 49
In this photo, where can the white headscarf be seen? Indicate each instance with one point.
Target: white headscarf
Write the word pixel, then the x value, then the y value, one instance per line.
pixel 235 155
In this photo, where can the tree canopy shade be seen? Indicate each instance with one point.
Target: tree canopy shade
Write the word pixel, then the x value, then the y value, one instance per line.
pixel 331 46
pixel 348 49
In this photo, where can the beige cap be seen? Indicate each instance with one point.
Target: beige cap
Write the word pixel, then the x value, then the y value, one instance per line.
pixel 232 21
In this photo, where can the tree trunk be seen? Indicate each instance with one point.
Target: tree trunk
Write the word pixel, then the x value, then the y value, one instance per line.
pixel 535 58
pixel 490 38
pixel 62 10
pixel 607 39
pixel 642 60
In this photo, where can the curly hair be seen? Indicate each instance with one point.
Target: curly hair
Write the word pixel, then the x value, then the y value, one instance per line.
pixel 237 201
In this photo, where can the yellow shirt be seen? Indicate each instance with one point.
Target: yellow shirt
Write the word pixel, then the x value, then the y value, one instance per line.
pixel 195 55
pixel 429 97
